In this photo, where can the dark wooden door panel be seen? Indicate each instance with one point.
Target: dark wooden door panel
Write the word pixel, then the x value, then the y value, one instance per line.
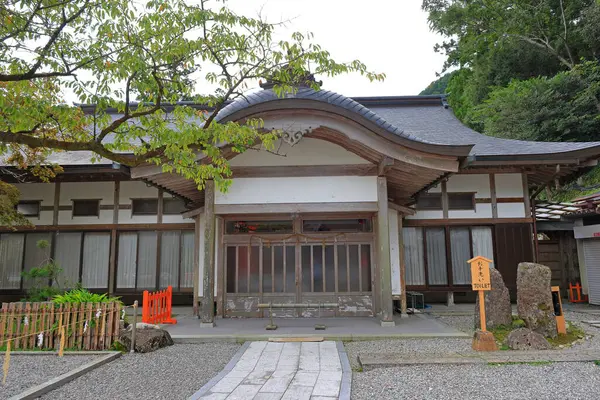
pixel 514 244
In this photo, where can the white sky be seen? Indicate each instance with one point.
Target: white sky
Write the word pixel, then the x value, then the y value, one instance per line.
pixel 389 36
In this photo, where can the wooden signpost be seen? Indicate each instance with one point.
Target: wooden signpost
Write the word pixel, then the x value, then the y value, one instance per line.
pixel 480 281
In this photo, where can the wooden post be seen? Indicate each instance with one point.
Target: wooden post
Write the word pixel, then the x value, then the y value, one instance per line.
pixel 480 281
pixel 403 306
pixel 493 196
pixel 134 326
pixel 196 264
pixel 482 310
pixel 383 254
pixel 208 308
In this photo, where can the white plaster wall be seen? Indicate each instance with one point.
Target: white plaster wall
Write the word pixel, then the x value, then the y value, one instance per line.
pixel 306 152
pixel 427 214
pixel 321 189
pixel 511 210
pixel 394 251
pixel 509 185
pixel 478 183
pixel 482 210
pixel 39 191
pixel 136 190
pixel 69 191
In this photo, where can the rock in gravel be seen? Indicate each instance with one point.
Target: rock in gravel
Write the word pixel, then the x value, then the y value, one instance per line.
pixel 146 340
pixel 534 298
pixel 526 339
pixel 497 303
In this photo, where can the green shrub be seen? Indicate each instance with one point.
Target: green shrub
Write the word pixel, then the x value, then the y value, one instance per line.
pixel 78 296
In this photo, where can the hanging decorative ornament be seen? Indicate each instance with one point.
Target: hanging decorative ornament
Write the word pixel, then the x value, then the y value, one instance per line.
pixel 26 321
pixel 40 338
pixel 98 313
pixel 85 326
pixel 123 313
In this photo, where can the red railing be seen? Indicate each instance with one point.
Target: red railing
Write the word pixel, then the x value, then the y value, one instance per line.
pixel 575 295
pixel 156 307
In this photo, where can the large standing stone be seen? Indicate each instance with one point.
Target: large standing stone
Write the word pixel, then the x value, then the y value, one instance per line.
pixel 526 339
pixel 497 303
pixel 534 298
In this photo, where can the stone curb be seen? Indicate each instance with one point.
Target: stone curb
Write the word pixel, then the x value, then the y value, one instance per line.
pixel 43 388
pixel 372 361
pixel 192 339
pixel 346 386
pixel 230 365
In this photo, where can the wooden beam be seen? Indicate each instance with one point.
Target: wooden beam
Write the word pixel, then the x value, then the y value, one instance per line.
pixel 99 227
pixel 466 221
pixel 444 199
pixel 383 254
pixel 112 267
pixel 208 309
pixel 493 196
pixel 56 207
pixel 526 200
pixel 284 208
pixel 193 213
pixel 304 170
pixel 403 306
pixel 402 209
pixel 384 165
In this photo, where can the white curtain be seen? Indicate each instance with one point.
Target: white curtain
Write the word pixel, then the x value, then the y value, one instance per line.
pixel 126 260
pixel 187 259
pixel 436 256
pixel 483 245
pixel 461 253
pixel 67 255
pixel 11 260
pixel 413 255
pixel 34 256
pixel 169 260
pixel 146 268
pixel 96 254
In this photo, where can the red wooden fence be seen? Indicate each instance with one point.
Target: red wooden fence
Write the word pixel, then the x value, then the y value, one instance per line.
pixel 156 307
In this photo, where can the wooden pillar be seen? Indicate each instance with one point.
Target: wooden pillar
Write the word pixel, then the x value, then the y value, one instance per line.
pixel 445 207
pixel 493 196
pixel 208 283
pixel 196 264
pixel 383 254
pixel 113 241
pixel 403 306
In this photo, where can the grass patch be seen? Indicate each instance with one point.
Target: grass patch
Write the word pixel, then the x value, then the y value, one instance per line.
pixel 574 332
pixel 533 363
pixel 597 363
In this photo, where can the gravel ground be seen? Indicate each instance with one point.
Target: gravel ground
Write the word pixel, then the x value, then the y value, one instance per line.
pixel 408 346
pixel 463 323
pixel 30 370
pixel 174 372
pixel 518 381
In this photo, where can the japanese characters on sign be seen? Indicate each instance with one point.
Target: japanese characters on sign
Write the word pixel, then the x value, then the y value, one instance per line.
pixel 480 273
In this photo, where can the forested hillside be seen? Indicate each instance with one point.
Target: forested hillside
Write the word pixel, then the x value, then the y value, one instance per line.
pixel 523 70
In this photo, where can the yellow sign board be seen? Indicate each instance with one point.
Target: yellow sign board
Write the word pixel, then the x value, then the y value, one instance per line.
pixel 480 273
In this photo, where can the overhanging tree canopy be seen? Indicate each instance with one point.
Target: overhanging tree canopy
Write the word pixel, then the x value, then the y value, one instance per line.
pixel 137 58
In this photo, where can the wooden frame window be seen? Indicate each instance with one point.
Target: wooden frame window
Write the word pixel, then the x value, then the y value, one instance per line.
pixel 173 206
pixel 436 257
pixel 29 208
pixel 144 206
pixel 429 201
pixel 337 225
pixel 154 260
pixel 259 226
pixel 461 201
pixel 86 208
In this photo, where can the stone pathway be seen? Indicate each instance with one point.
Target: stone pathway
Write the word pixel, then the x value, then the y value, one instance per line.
pixel 283 371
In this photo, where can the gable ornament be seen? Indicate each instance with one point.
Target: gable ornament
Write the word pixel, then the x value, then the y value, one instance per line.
pixel 293 137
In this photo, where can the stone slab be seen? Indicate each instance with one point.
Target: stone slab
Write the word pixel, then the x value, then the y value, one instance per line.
pixel 38 390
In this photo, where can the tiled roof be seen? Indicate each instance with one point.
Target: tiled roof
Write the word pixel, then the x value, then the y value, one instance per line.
pixel 418 118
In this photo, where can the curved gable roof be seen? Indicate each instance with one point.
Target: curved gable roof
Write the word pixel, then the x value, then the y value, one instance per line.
pixel 423 122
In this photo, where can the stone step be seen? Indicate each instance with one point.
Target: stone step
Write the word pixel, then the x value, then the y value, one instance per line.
pixel 385 360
